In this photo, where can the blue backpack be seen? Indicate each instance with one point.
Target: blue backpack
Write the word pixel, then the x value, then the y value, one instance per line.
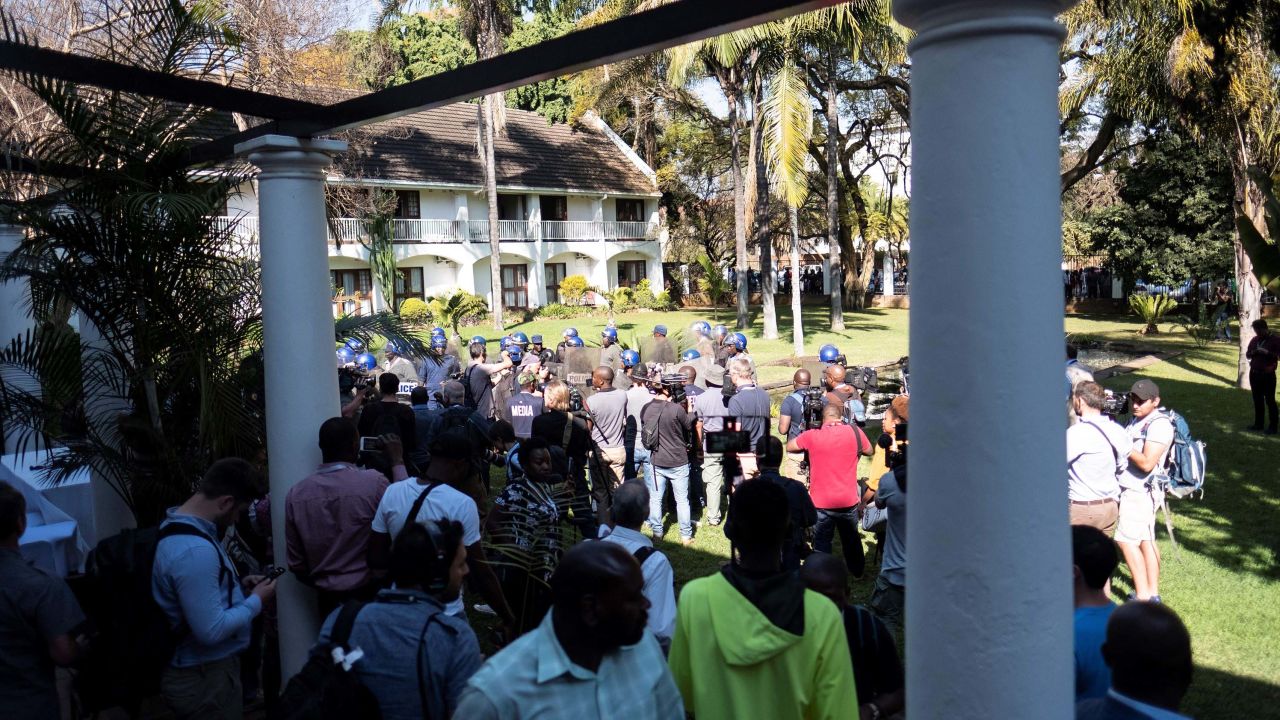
pixel 1186 464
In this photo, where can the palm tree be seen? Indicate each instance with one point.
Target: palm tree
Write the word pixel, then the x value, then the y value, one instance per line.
pixel 450 310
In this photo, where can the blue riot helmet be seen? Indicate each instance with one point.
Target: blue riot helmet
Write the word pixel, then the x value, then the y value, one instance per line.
pixel 630 358
pixel 739 341
pixel 396 348
pixel 356 345
pixel 439 342
pixel 478 339
pixel 828 353
pixel 570 332
pixel 610 333
pixel 575 341
pixel 701 327
pixel 690 354
pixel 437 331
pixel 345 355
pixel 720 332
pixel 520 339
pixel 366 361
pixel 515 353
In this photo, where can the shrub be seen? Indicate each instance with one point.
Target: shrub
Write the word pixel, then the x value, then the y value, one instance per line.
pixel 621 298
pixel 559 311
pixel 572 288
pixel 414 310
pixel 1152 309
pixel 662 301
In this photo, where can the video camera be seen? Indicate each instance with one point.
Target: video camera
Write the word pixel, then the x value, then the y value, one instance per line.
pixel 350 379
pixel 728 441
pixel 812 404
pixel 1114 405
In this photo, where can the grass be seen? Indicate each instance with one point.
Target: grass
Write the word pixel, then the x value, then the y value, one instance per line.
pixel 1224 581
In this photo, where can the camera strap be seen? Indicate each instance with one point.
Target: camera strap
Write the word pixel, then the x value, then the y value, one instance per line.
pixel 417 504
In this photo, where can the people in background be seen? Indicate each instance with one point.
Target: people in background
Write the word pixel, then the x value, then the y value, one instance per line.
pixel 437 367
pixel 1148 651
pixel 1093 560
pixel 414 651
pixel 1263 353
pixel 589 659
pixel 888 599
pixel 711 409
pixel 751 641
pixel 389 416
pixel 639 458
pixel 477 378
pixel 195 584
pixel 1077 372
pixel 672 427
pixel 39 623
pixel 662 352
pixel 610 353
pixel 751 408
pixel 327 517
pixel 399 364
pixel 630 510
pixel 1096 455
pixel 525 405
pixel 1151 435
pixel 877 670
pixel 791 420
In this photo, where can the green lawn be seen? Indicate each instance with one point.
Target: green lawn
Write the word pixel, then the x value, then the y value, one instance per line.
pixel 1225 579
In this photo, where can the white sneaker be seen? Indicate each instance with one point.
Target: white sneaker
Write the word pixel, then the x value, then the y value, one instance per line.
pixel 483 609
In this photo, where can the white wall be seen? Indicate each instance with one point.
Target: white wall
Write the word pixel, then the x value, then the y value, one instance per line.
pixel 581 208
pixel 437 205
pixel 477 206
pixel 243 202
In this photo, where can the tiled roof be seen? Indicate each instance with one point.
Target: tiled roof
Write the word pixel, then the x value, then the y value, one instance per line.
pixel 439 146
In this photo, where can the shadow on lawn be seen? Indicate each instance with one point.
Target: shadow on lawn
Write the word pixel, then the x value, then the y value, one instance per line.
pixel 1215 694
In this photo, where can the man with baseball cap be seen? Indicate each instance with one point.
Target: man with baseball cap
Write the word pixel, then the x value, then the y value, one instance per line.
pixel 1151 434
pixel 661 352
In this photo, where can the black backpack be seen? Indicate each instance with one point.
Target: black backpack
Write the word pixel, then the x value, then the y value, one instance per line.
pixel 326 688
pixel 133 641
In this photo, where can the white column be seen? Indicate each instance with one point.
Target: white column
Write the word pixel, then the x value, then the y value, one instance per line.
pixel 537 271
pixel 988 619
pixel 301 384
pixel 887 271
pixel 826 276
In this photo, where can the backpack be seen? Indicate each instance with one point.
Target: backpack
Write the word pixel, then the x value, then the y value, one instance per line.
pixel 326 688
pixel 649 433
pixel 1184 473
pixel 134 640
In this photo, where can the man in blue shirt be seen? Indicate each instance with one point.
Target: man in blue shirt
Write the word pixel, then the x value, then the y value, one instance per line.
pixel 791 419
pixel 413 649
pixel 1149 652
pixel 1094 559
pixel 751 407
pixel 436 368
pixel 195 584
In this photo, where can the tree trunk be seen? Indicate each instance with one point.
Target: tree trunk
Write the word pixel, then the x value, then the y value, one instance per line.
pixel 867 255
pixel 1248 289
pixel 761 216
pixel 797 326
pixel 739 204
pixel 833 197
pixel 487 134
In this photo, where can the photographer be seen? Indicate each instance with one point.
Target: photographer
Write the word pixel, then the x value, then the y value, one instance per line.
pixel 792 420
pixel 833 451
pixel 1095 457
pixel 888 599
pixel 608 410
pixel 666 434
pixel 525 405
pixel 751 407
pixel 389 416
pixel 710 409
pixel 477 379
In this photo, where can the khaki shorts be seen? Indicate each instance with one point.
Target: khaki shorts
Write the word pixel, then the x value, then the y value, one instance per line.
pixel 1102 515
pixel 1137 519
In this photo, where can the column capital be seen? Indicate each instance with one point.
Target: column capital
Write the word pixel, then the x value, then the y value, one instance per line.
pixel 287 156
pixel 940 20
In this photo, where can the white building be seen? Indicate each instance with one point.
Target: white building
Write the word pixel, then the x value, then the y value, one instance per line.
pixel 572 200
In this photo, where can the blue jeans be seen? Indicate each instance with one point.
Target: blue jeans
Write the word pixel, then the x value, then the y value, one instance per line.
pixel 679 479
pixel 641 465
pixel 846 521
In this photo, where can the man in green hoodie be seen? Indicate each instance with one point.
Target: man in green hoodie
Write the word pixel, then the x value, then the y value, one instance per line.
pixel 751 641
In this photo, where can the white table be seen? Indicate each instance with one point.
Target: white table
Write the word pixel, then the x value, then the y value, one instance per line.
pixel 59 518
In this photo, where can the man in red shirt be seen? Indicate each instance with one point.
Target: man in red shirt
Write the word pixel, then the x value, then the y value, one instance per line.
pixel 834 450
pixel 1263 352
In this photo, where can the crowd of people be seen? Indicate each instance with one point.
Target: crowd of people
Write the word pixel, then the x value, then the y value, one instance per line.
pixel 503 481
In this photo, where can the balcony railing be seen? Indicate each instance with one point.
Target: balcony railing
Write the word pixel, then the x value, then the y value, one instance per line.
pixel 452 231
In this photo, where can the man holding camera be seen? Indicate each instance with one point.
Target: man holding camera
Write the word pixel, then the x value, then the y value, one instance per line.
pixel 753 412
pixel 666 433
pixel 478 379
pixel 1151 435
pixel 1094 460
pixel 834 450
pixel 791 420
pixel 711 409
pixel 608 410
